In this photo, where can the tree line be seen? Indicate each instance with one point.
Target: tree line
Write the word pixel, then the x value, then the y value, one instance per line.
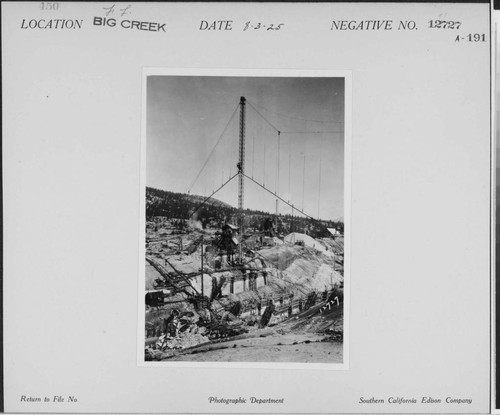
pixel 180 206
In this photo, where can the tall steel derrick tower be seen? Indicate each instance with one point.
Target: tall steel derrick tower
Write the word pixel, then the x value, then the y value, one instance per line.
pixel 241 166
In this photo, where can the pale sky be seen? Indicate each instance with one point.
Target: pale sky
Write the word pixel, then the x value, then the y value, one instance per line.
pixel 186 115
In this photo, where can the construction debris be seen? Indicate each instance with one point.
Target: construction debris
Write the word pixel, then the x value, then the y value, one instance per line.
pixel 201 290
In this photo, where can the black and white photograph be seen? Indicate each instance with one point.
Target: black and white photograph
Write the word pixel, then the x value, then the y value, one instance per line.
pixel 249 207
pixel 245 219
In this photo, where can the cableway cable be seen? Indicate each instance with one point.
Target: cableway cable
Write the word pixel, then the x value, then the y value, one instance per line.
pixel 280 198
pixel 209 197
pixel 264 118
pixel 213 149
pixel 292 117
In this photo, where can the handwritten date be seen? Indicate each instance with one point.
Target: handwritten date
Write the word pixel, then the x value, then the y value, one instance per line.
pixel 258 25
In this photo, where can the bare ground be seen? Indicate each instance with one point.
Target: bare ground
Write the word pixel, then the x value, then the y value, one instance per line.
pixel 324 352
pixel 267 345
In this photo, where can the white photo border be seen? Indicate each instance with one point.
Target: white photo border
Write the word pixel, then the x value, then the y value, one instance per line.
pixel 289 73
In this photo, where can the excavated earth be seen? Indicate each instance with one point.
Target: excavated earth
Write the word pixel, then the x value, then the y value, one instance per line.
pixel 313 336
pixel 310 337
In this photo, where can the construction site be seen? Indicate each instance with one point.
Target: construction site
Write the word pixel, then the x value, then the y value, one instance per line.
pixel 232 284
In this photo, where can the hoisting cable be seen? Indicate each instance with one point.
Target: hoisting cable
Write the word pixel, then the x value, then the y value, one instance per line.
pixel 264 118
pixel 312 132
pixel 280 198
pixel 209 197
pixel 213 149
pixel 292 117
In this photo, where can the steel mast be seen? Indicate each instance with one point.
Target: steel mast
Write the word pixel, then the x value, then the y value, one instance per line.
pixel 241 168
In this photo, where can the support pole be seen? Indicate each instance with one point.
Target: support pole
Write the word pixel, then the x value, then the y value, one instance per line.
pixel 289 175
pixel 278 179
pixel 319 186
pixel 303 181
pixel 264 174
pixel 253 154
pixel 202 292
pixel 278 165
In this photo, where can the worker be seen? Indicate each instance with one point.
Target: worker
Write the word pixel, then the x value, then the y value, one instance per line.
pixel 171 324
